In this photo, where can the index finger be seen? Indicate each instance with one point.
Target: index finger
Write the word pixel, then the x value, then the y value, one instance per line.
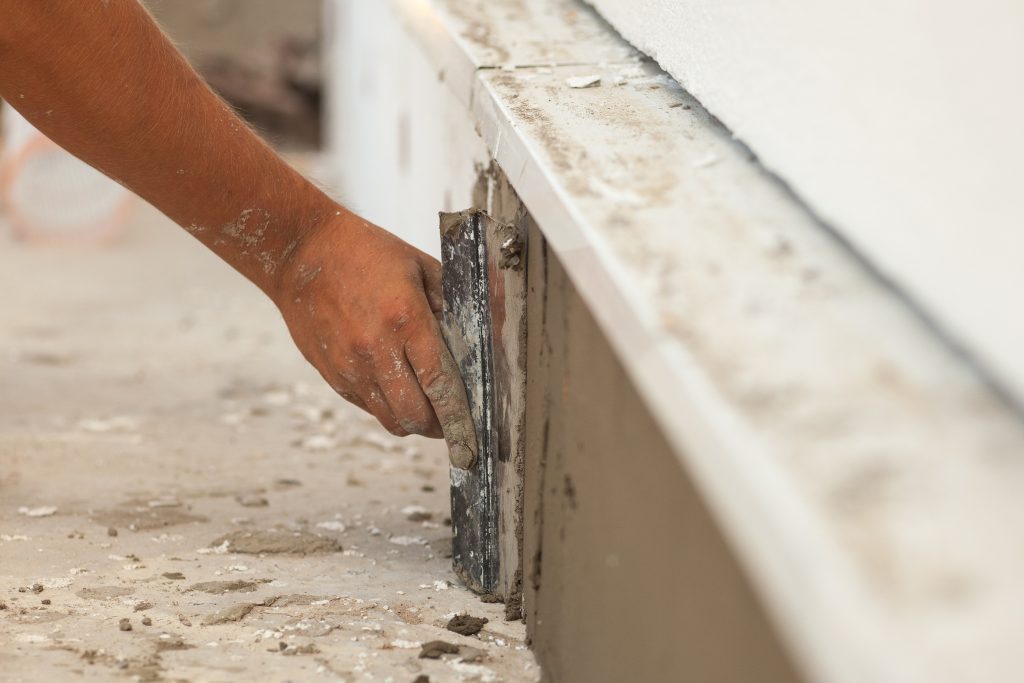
pixel 439 377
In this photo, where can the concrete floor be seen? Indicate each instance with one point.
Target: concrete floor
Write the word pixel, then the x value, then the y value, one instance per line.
pixel 149 392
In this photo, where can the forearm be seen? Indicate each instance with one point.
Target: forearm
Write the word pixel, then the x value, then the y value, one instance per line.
pixel 101 80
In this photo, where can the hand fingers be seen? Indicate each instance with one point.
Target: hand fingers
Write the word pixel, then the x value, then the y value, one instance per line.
pixel 367 395
pixel 432 284
pixel 354 400
pixel 378 406
pixel 406 399
pixel 326 368
pixel 381 408
pixel 439 377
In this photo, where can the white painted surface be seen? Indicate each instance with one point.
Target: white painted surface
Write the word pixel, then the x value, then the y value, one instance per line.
pixel 899 121
pixel 400 148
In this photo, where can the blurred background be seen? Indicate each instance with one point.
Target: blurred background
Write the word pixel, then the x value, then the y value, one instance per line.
pixel 261 56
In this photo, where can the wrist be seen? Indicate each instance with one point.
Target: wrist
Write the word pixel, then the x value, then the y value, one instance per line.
pixel 303 256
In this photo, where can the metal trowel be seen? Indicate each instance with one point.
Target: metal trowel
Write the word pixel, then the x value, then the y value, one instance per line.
pixel 484 275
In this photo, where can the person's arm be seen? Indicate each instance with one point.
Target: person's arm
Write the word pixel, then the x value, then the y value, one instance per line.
pixel 100 78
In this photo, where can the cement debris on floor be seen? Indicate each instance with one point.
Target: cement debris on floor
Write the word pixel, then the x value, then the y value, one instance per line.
pixel 183 499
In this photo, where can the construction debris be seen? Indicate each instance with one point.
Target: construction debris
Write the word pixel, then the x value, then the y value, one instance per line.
pixel 583 81
pixel 466 625
pixel 436 648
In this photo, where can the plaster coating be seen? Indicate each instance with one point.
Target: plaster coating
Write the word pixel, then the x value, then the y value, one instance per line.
pixel 899 122
pixel 627 575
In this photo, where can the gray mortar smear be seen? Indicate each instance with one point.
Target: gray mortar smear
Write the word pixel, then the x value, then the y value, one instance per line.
pixel 277 542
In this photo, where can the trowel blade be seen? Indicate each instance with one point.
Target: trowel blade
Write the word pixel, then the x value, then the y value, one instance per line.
pixel 466 325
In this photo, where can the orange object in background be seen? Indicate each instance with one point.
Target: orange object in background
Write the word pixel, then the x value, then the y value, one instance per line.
pixel 49 196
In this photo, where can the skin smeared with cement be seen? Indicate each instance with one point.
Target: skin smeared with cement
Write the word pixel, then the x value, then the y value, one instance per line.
pixel 379 361
pixel 458 432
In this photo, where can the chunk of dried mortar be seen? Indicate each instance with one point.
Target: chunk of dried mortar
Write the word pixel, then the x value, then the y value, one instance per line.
pixel 466 625
pixel 277 542
pixel 583 81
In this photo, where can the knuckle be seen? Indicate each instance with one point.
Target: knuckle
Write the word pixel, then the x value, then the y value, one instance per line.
pixel 414 425
pixel 349 378
pixel 432 379
pixel 418 418
pixel 374 398
pixel 363 345
pixel 398 317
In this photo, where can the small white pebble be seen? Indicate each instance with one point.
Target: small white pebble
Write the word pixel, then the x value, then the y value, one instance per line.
pixel 319 442
pixel 216 550
pixel 277 398
pixel 408 540
pixel 43 511
pixel 405 644
pixel 583 81
pixel 708 160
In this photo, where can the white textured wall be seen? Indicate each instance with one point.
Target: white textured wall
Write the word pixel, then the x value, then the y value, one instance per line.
pixel 401 148
pixel 899 121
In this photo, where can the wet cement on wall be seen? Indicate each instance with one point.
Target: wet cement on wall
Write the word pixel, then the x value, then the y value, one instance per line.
pixel 494 194
pixel 627 576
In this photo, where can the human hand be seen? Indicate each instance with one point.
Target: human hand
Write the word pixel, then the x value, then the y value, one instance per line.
pixel 363 307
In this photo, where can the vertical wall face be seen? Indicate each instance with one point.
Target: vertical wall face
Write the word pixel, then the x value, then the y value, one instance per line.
pixel 627 577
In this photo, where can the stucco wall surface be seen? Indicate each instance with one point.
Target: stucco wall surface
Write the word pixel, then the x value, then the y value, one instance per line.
pixel 897 120
pixel 627 576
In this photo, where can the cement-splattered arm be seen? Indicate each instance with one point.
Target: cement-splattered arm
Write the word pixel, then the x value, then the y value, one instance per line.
pixel 101 79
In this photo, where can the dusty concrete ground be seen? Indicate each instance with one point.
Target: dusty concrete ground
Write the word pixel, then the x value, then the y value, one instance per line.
pixel 152 406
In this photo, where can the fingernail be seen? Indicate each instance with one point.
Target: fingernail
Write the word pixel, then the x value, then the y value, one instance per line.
pixel 461 456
